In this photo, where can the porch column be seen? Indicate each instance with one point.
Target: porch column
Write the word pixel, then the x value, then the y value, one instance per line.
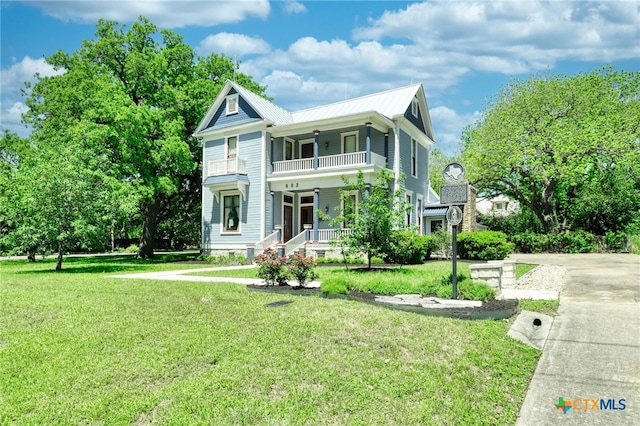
pixel 386 147
pixel 315 149
pixel 368 155
pixel 316 207
pixel 273 212
pixel 271 161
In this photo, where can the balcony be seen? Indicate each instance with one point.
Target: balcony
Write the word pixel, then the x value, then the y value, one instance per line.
pixel 328 162
pixel 229 166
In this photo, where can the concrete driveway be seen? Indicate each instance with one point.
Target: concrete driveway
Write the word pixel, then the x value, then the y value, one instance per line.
pixel 592 357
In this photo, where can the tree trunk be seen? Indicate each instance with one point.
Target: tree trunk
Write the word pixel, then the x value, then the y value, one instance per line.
pixel 59 261
pixel 149 226
pixel 549 216
pixel 31 254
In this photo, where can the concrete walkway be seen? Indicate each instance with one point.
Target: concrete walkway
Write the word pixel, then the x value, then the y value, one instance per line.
pixel 593 349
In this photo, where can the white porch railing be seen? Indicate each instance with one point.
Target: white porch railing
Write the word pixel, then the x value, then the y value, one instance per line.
pixel 265 243
pixel 295 243
pixel 228 166
pixel 340 160
pixel 325 235
pixel 293 165
pixel 328 162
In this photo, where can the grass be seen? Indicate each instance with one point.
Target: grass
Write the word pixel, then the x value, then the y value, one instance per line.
pixel 547 307
pixel 79 347
pixel 523 268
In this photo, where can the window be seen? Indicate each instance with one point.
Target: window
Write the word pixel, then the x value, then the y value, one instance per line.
pixel 232 104
pixel 349 142
pixel 435 226
pixel 232 146
pixel 414 158
pixel 409 210
pixel 414 107
pixel 349 207
pixel 288 150
pixel 231 217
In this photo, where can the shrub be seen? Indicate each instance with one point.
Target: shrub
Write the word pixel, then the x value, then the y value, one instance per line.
pixel 271 267
pixel 335 286
pixel 441 241
pixel 409 248
pixel 301 268
pixel 133 248
pixel 483 245
pixel 616 241
pixel 577 242
pixel 528 242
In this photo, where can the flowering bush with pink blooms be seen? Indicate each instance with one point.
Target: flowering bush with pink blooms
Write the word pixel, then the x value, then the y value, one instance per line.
pixel 302 268
pixel 272 268
pixel 275 270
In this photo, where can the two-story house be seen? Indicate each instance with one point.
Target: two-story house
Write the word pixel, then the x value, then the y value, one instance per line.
pixel 267 172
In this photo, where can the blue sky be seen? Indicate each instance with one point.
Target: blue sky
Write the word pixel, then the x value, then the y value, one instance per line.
pixel 314 52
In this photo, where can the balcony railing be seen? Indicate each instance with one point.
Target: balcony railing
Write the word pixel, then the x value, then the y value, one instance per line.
pixel 226 167
pixel 328 162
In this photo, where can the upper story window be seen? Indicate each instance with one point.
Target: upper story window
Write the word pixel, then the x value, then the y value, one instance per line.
pixel 414 158
pixel 409 210
pixel 232 146
pixel 288 149
pixel 231 213
pixel 350 142
pixel 414 107
pixel 232 104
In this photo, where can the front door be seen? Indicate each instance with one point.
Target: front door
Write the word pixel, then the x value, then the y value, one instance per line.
pixel 288 223
pixel 306 216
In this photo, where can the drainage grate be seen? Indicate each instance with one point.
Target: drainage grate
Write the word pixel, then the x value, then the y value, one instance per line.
pixel 278 303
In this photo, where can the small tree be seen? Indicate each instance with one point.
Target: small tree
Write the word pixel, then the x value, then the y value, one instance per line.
pixel 367 225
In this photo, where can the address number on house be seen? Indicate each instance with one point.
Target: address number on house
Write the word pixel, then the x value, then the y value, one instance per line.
pixel 454 193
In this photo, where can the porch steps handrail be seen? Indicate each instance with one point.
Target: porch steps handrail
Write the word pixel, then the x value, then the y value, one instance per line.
pixel 268 241
pixel 295 243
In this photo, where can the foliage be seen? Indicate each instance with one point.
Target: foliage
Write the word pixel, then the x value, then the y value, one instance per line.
pixel 567 148
pixel 133 248
pixel 521 221
pixel 408 247
pixel 229 259
pixel 616 241
pixel 635 244
pixel 271 267
pixel 442 240
pixel 335 286
pixel 483 245
pixel 438 160
pixel 57 200
pixel 371 222
pixel 301 268
pixel 134 99
pixel 529 242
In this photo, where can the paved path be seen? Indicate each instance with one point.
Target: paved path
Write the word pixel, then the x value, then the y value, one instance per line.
pixel 593 350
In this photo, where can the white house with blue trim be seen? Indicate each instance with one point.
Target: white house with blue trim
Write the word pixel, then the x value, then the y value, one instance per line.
pixel 268 171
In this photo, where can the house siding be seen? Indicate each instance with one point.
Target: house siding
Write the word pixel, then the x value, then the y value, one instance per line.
pixel 245 114
pixel 249 146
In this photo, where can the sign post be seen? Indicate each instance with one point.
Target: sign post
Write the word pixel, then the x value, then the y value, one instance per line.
pixel 456 191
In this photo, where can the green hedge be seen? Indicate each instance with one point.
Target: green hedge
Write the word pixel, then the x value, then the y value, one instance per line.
pixel 483 245
pixel 409 248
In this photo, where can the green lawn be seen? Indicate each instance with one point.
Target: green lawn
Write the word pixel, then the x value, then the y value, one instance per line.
pixel 79 347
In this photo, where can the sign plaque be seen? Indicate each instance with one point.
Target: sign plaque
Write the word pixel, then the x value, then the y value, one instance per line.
pixel 454 193
pixel 454 215
pixel 453 173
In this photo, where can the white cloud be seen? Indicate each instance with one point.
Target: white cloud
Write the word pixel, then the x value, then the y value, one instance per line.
pixel 232 44
pixel 165 14
pixel 448 126
pixel 11 118
pixel 292 7
pixel 514 37
pixel 12 79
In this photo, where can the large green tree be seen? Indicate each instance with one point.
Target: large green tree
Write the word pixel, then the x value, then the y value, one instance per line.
pixel 134 98
pixel 558 143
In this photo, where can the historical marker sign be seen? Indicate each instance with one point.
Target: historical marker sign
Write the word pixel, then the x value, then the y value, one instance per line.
pixel 454 215
pixel 453 173
pixel 454 193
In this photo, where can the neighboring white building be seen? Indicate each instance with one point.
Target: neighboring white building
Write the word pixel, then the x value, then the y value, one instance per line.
pixel 500 205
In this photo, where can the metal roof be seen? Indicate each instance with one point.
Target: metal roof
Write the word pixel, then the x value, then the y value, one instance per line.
pixel 267 110
pixel 433 212
pixel 390 103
